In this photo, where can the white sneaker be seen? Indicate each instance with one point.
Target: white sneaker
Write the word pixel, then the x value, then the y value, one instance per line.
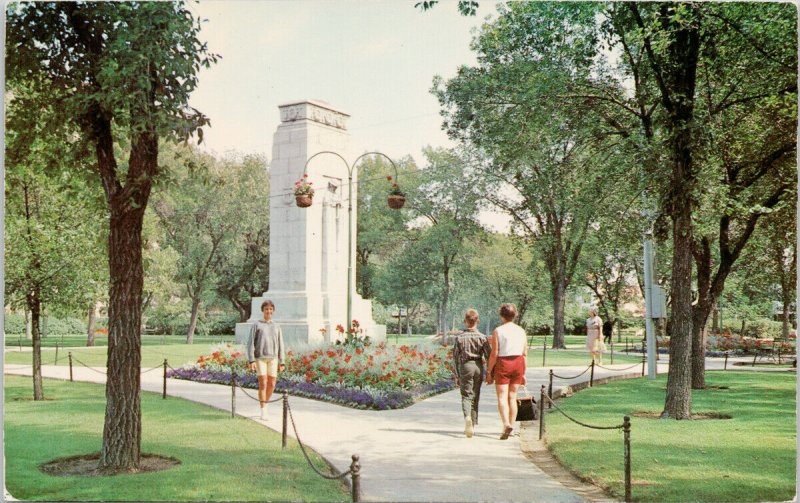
pixel 264 415
pixel 468 427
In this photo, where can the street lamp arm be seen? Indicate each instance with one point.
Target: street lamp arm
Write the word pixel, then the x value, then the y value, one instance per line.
pixel 396 175
pixel 349 169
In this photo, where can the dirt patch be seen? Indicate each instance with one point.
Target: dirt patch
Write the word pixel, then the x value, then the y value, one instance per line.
pixel 30 399
pixel 717 387
pixel 695 416
pixel 86 465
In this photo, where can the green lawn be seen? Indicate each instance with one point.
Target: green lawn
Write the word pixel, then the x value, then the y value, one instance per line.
pixel 554 358
pixel 79 340
pixel 152 355
pixel 561 358
pixel 222 459
pixel 751 457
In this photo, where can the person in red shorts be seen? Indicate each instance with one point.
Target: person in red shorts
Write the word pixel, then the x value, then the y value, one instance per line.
pixel 507 365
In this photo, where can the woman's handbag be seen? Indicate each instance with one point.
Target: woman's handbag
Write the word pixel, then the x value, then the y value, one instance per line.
pixel 526 407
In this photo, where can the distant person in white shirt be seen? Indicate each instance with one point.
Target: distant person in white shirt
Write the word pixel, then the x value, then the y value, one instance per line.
pixel 265 354
pixel 507 365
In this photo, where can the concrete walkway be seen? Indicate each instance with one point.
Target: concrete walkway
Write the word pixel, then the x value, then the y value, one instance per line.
pixel 413 454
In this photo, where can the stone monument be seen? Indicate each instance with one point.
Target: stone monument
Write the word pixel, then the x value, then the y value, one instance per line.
pixel 308 246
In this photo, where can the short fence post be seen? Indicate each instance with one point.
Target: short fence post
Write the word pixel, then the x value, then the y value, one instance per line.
pixel 626 346
pixel 626 428
pixel 56 362
pixel 779 354
pixel 544 350
pixel 233 393
pixel 70 366
pixel 612 350
pixel 754 358
pixel 355 478
pixel 726 361
pixel 591 375
pixel 285 417
pixel 164 393
pixel 550 389
pixel 541 415
pixel 644 360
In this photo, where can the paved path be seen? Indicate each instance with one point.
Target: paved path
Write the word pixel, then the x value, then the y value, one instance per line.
pixel 413 454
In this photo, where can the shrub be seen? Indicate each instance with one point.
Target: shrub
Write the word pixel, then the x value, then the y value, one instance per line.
pixel 763 329
pixel 15 325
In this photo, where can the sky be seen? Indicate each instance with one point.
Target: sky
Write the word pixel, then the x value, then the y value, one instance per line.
pixel 372 59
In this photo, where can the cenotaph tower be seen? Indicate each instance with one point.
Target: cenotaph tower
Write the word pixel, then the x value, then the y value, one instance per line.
pixel 308 246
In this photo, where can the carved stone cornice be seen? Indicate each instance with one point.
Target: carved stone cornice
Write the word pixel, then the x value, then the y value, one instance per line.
pixel 317 111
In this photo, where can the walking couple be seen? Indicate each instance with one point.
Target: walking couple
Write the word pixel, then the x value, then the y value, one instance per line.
pixel 504 354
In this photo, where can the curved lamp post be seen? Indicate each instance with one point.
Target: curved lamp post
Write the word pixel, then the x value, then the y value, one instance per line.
pixel 350 168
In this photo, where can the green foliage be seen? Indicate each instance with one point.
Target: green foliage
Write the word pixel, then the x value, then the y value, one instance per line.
pixel 213 218
pixel 762 329
pixel 106 57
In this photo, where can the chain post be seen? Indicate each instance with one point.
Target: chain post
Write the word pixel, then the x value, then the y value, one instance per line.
pixel 164 392
pixel 541 410
pixel 544 350
pixel 285 419
pixel 355 478
pixel 612 350
pixel 550 389
pixel 233 393
pixel 591 375
pixel 626 428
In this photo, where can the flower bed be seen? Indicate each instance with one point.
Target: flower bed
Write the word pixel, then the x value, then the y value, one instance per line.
pixel 366 376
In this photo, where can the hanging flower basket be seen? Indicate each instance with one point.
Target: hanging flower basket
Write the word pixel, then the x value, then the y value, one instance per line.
pixel 303 192
pixel 397 201
pixel 303 201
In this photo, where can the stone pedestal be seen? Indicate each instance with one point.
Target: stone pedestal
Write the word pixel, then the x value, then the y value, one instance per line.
pixel 308 246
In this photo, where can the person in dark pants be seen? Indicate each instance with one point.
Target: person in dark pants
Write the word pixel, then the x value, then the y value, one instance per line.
pixel 608 330
pixel 471 351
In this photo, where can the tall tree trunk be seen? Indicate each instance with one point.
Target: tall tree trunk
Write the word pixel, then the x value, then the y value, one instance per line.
pixel 676 75
pixel 678 404
pixel 715 320
pixel 445 299
pixel 559 299
pixel 90 327
pixel 193 319
pixel 787 304
pixel 123 422
pixel 700 312
pixel 35 306
pixel 122 430
pixel 28 328
pixel 241 307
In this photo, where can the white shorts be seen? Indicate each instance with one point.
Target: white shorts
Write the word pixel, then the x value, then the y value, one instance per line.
pixel 267 367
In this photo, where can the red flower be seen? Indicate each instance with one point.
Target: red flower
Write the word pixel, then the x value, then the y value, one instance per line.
pixel 389 178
